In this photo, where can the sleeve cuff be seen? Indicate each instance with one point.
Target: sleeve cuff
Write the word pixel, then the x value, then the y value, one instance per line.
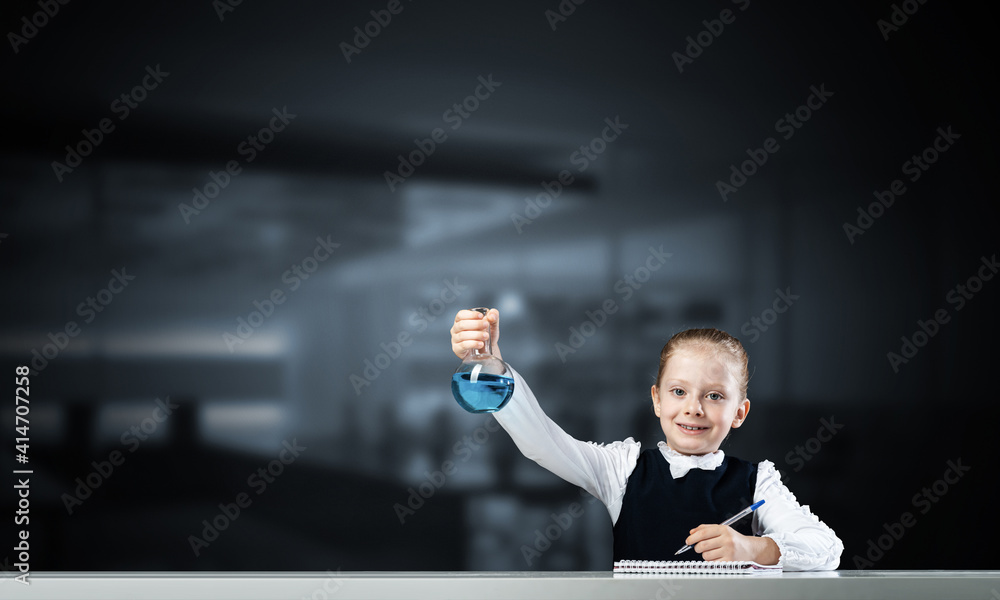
pixel 782 549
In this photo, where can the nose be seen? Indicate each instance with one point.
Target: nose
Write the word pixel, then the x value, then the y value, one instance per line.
pixel 693 406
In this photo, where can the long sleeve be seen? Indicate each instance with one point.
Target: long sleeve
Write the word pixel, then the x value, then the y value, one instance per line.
pixel 601 469
pixel 805 542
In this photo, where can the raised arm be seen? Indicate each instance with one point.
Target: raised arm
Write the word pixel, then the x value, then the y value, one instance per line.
pixel 601 469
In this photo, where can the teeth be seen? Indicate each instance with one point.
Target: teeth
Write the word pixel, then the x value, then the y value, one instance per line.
pixel 693 428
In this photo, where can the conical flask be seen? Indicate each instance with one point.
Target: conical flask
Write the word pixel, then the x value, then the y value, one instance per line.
pixel 482 383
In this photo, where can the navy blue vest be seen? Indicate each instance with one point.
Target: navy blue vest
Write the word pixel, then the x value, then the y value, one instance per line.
pixel 658 510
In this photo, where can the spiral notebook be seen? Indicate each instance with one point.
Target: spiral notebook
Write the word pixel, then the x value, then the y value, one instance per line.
pixel 692 566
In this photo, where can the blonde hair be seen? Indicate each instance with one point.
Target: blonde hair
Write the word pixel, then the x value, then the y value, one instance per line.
pixel 710 339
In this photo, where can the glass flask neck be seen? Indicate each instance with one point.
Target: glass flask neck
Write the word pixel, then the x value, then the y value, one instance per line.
pixel 487 349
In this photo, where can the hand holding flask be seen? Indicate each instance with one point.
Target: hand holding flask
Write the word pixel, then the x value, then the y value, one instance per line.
pixel 482 383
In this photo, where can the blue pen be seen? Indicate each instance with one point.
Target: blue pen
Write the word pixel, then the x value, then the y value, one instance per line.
pixel 746 511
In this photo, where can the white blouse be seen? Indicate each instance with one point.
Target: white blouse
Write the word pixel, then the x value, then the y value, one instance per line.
pixel 805 542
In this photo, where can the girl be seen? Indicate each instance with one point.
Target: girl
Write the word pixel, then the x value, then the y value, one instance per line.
pixel 664 498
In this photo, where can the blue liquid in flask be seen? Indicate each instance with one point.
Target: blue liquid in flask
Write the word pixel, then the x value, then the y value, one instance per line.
pixel 488 394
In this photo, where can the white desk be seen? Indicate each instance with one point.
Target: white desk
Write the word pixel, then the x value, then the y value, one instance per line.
pixel 851 585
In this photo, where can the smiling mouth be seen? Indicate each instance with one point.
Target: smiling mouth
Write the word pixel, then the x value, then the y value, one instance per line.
pixel 691 427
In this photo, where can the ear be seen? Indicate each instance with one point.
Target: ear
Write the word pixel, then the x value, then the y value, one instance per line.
pixel 654 392
pixel 741 413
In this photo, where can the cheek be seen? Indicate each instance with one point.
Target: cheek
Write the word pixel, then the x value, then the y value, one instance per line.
pixel 726 414
pixel 669 410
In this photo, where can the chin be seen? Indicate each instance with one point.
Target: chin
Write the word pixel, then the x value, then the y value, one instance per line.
pixel 689 448
pixel 686 448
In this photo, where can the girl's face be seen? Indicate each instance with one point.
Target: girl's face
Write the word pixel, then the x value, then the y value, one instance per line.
pixel 698 400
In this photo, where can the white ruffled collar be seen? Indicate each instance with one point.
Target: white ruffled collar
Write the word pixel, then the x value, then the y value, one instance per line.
pixel 680 464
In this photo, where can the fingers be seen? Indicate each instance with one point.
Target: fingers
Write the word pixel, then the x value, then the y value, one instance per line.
pixel 715 554
pixel 703 538
pixel 713 542
pixel 464 340
pixel 699 533
pixel 468 315
pixel 471 330
pixel 470 339
pixel 493 317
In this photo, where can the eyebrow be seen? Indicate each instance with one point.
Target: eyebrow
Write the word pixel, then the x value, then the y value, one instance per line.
pixel 712 385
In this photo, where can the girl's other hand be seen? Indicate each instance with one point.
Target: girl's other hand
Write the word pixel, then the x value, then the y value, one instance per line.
pixel 722 542
pixel 471 330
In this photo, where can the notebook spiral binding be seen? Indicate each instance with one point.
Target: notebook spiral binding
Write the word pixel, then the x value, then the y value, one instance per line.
pixel 690 566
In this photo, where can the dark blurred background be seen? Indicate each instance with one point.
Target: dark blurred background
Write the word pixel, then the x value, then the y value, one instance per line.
pixel 360 264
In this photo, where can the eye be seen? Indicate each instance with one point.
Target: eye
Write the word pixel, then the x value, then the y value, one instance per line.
pixel 677 392
pixel 714 396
